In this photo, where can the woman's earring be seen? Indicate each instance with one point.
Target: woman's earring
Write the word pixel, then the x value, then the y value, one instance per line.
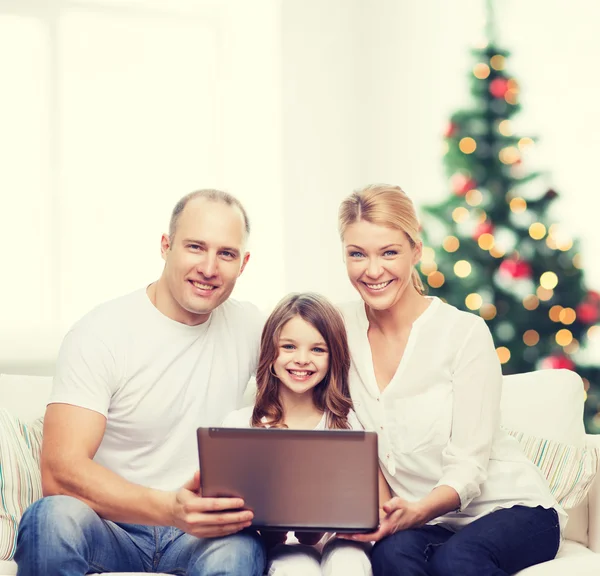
pixel 272 372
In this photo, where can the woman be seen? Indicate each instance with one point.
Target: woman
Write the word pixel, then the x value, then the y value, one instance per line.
pixel 426 377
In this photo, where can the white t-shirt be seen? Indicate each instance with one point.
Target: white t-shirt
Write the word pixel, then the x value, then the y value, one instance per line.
pixel 242 419
pixel 438 419
pixel 156 381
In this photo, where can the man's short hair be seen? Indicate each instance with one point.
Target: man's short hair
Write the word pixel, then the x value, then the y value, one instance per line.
pixel 214 196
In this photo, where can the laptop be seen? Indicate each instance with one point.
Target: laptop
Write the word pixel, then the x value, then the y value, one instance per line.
pixel 303 480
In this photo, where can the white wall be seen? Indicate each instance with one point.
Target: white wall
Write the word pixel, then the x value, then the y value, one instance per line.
pixel 111 110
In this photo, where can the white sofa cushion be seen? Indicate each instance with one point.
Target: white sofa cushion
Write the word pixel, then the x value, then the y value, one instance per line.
pixel 25 396
pixel 20 479
pixel 570 471
pixel 547 404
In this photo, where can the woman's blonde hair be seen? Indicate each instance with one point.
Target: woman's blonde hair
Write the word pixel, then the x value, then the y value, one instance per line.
pixel 385 205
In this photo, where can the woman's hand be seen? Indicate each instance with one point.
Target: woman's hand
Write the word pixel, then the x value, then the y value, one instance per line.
pixel 397 514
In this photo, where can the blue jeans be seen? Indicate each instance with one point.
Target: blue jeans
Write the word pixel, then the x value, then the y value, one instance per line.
pixel 63 536
pixel 498 544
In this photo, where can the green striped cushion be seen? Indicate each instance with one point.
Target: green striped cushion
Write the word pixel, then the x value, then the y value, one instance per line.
pixel 20 478
pixel 570 471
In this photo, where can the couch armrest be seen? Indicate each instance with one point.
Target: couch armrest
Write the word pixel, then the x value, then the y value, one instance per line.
pixel 593 440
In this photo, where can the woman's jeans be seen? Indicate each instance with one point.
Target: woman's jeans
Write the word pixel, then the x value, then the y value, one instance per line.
pixel 63 536
pixel 498 544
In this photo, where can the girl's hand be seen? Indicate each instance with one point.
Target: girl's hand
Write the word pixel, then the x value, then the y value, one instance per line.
pixel 309 538
pixel 272 538
pixel 398 514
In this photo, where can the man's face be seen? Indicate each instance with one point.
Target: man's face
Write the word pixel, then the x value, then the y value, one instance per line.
pixel 203 260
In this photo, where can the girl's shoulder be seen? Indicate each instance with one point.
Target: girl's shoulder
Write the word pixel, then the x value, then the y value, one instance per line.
pixel 239 418
pixel 353 421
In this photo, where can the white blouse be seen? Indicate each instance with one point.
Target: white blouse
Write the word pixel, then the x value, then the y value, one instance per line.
pixel 438 420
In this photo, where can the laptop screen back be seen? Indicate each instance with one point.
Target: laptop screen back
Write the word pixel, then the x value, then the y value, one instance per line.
pixel 323 480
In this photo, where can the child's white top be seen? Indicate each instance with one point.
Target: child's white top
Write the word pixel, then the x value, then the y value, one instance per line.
pixel 438 419
pixel 242 419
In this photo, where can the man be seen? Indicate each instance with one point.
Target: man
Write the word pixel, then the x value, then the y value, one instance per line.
pixel 134 379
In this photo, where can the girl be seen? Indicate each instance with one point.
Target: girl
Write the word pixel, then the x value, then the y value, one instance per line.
pixel 302 383
pixel 426 376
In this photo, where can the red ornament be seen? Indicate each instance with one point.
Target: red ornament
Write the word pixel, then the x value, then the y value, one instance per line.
pixel 557 363
pixel 588 312
pixel 516 269
pixel 499 87
pixel 483 228
pixel 593 297
pixel 451 130
pixel 461 184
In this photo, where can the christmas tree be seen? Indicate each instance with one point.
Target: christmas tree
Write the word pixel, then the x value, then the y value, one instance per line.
pixel 493 248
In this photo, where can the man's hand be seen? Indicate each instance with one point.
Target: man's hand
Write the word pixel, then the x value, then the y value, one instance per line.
pixel 207 517
pixel 397 514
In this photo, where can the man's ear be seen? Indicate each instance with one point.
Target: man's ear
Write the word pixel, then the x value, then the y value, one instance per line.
pixel 244 262
pixel 165 246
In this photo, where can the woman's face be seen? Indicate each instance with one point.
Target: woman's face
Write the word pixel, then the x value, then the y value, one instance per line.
pixel 303 358
pixel 379 261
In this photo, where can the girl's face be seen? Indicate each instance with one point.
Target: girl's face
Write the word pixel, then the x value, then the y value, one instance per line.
pixel 303 358
pixel 379 262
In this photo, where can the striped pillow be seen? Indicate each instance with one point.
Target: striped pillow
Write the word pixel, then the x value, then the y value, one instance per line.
pixel 570 471
pixel 20 478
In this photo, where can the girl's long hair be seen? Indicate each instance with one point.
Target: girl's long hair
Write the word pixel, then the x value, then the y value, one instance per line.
pixel 332 394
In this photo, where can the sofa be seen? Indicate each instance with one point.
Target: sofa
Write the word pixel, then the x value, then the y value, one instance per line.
pixel 546 404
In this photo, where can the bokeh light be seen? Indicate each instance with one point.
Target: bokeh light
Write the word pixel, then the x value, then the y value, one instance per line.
pixel 505 128
pixel 531 302
pixel 503 354
pixel 474 197
pixel 548 280
pixel 467 145
pixel 462 268
pixel 537 230
pixel 518 205
pixel 460 214
pixel 567 316
pixel 428 268
pixel 544 294
pixel 427 254
pixel 474 301
pixel 531 338
pixel 554 313
pixel 451 244
pixel 486 241
pixel 497 62
pixel 564 337
pixel 488 311
pixel 509 155
pixel 525 143
pixel 481 71
pixel 436 279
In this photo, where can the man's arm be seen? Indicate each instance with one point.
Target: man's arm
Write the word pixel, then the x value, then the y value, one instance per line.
pixel 72 436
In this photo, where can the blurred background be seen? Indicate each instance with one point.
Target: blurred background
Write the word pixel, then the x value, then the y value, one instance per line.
pixel 111 110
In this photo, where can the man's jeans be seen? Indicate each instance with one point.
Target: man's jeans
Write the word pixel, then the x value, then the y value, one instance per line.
pixel 62 536
pixel 498 544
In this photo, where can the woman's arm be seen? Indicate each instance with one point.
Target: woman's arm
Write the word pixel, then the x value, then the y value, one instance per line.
pixel 477 387
pixel 476 383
